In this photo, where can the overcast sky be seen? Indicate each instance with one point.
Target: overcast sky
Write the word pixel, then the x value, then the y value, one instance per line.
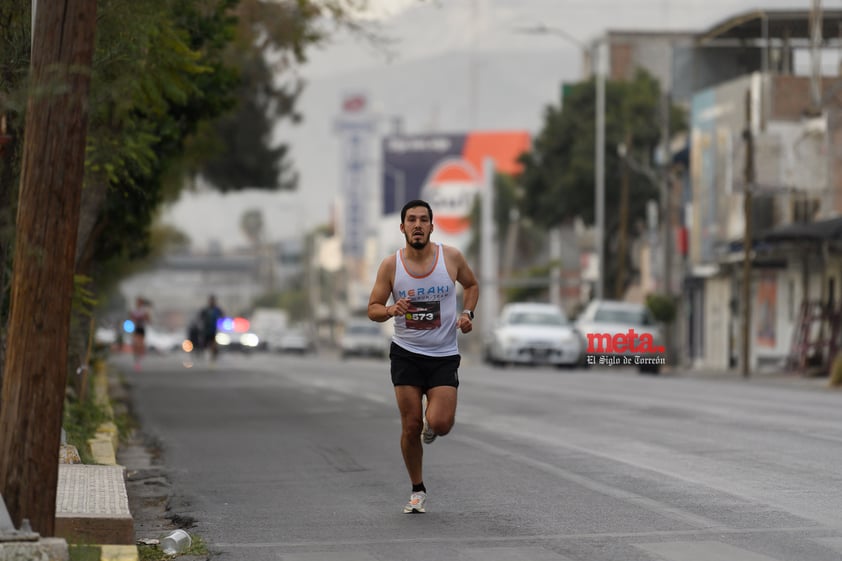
pixel 505 81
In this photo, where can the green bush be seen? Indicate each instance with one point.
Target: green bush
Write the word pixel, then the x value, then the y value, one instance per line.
pixel 84 552
pixel 662 306
pixel 81 421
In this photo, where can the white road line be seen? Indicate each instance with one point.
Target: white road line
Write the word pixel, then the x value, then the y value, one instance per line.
pixel 833 543
pixel 701 551
pixel 651 505
pixel 514 539
pixel 509 554
pixel 328 556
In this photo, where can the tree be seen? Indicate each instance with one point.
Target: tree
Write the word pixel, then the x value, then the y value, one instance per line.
pixel 42 280
pixel 559 170
pixel 164 74
pixel 15 25
pixel 157 82
pixel 247 156
pixel 271 42
pixel 157 76
pixel 519 239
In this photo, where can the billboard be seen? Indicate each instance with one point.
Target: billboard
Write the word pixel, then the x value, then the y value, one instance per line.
pixel 355 126
pixel 446 171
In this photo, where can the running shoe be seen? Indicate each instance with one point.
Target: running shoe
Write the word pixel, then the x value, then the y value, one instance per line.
pixel 427 435
pixel 416 503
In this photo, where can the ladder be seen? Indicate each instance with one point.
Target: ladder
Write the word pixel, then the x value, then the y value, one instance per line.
pixel 815 339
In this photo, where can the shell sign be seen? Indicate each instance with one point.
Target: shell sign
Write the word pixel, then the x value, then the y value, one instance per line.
pixel 446 171
pixel 451 190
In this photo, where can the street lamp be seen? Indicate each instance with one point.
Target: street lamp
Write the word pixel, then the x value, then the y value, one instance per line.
pixel 591 55
pixel 543 29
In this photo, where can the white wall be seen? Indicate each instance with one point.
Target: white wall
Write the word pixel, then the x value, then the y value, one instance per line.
pixel 717 318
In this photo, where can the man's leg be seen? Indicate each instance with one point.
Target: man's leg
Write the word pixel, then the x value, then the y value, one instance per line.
pixel 409 405
pixel 441 409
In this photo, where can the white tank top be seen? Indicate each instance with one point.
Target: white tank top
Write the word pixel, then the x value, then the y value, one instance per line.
pixel 429 326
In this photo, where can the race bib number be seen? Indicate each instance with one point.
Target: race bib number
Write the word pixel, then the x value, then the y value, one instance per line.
pixel 423 315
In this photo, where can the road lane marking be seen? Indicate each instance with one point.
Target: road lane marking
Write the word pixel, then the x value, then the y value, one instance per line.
pixel 328 556
pixel 651 505
pixel 701 551
pixel 516 539
pixel 833 543
pixel 765 488
pixel 509 554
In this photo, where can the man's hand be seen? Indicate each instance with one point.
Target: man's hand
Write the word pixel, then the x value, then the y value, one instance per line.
pixel 464 323
pixel 400 307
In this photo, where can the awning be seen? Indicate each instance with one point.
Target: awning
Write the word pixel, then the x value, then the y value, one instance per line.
pixel 794 25
pixel 823 230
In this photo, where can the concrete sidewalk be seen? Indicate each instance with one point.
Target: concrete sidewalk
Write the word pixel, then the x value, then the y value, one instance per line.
pixel 92 505
pixel 765 376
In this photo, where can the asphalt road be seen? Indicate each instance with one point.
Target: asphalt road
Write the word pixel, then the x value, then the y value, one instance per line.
pixel 297 459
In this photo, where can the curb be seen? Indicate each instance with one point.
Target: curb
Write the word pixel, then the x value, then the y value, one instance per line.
pixel 103 447
pixel 104 450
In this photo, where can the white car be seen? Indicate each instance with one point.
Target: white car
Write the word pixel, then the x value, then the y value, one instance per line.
pixel 294 341
pixel 621 333
pixel 364 338
pixel 533 333
pixel 158 341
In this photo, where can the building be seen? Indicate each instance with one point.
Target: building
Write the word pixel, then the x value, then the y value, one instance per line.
pixel 789 173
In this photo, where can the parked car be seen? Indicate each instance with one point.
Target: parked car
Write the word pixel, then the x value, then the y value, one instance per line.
pixel 105 336
pixel 622 333
pixel 363 338
pixel 159 341
pixel 296 341
pixel 533 333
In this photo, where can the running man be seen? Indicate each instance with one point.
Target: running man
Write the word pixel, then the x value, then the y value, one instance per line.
pixel 421 280
pixel 209 318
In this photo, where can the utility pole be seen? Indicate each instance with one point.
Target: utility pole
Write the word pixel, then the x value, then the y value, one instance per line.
pixel 599 173
pixel 667 218
pixel 596 61
pixel 622 242
pixel 747 238
pixel 815 57
pixel 52 169
pixel 489 270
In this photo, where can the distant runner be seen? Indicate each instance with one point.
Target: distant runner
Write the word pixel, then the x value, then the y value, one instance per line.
pixel 139 316
pixel 210 316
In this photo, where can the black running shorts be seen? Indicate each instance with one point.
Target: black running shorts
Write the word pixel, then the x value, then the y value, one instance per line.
pixel 413 369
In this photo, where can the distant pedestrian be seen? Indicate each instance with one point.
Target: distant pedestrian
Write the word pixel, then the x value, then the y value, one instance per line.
pixel 194 332
pixel 210 316
pixel 421 280
pixel 139 316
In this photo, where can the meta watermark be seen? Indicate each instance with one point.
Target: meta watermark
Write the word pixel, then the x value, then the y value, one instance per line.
pixel 630 348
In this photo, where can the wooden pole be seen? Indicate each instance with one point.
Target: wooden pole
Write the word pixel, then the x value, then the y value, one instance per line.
pixel 747 240
pixel 52 171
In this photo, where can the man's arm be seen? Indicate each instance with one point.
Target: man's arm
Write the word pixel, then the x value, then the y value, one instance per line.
pixel 470 293
pixel 470 287
pixel 382 290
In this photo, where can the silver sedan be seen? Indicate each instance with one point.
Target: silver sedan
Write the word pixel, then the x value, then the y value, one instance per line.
pixel 533 333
